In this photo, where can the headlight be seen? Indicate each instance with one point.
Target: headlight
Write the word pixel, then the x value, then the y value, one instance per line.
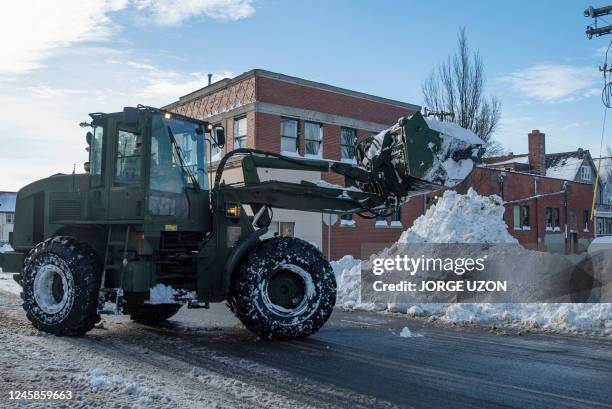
pixel 232 210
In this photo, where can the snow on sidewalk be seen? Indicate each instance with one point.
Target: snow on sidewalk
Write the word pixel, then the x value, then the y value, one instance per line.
pixel 7 283
pixel 472 218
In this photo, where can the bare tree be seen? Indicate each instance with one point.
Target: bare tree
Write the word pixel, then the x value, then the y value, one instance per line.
pixel 457 87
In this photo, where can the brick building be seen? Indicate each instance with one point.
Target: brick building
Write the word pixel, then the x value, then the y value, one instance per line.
pixel 275 112
pixel 548 195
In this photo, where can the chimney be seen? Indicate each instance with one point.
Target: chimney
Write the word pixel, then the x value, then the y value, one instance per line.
pixel 209 79
pixel 537 152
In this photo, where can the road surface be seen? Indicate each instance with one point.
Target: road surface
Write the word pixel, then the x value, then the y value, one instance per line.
pixel 205 358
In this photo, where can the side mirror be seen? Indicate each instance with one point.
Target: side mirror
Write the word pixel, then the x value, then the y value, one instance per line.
pixel 130 116
pixel 89 138
pixel 220 135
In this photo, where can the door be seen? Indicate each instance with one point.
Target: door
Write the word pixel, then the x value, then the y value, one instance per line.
pixel 126 198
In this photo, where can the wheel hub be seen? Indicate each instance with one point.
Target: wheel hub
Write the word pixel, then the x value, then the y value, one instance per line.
pixel 286 289
pixel 50 289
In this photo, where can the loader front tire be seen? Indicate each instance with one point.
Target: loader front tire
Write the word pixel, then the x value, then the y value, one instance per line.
pixel 61 281
pixel 284 289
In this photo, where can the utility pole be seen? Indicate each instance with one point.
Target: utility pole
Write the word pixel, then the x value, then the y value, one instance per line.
pixel 595 13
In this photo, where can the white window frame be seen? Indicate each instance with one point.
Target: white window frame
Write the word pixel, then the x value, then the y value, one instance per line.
pixel 10 218
pixel 242 138
pixel 319 153
pixel 586 173
pixel 296 137
pixel 346 220
pixel 342 157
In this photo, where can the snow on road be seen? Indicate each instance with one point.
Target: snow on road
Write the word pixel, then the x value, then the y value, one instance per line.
pixel 121 365
pixel 473 218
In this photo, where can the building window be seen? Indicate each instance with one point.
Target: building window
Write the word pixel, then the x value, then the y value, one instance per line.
pixel 240 133
pixel 525 218
pixel 289 135
pixel 517 217
pixel 287 229
pixel 283 229
pixel 313 138
pixel 347 220
pixel 10 218
pixel 586 173
pixel 348 140
pixel 585 219
pixel 553 219
pixel 521 217
pixel 127 161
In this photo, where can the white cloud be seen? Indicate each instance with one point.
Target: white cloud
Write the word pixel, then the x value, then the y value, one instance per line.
pixel 172 12
pixel 33 30
pixel 554 83
pixel 41 111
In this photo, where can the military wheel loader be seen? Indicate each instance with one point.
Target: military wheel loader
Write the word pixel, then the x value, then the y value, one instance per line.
pixel 148 227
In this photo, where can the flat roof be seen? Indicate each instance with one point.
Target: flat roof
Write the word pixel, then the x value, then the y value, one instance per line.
pixel 225 82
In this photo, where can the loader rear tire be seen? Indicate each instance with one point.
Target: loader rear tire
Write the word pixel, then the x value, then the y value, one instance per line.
pixel 150 314
pixel 284 289
pixel 61 281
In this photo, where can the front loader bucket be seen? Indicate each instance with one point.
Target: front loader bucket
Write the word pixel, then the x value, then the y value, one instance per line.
pixel 418 155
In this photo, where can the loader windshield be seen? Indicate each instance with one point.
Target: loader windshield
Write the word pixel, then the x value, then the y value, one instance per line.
pixel 177 155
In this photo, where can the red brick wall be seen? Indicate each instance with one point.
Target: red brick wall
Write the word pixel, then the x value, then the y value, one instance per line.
pixel 520 186
pixel 298 96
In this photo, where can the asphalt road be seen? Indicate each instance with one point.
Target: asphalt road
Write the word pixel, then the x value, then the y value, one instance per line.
pixel 357 360
pixel 363 354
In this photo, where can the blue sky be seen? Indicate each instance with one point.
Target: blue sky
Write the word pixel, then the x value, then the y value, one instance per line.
pixel 72 57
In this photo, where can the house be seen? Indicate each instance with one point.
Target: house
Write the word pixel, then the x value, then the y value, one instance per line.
pixel 603 207
pixel 548 196
pixel 7 215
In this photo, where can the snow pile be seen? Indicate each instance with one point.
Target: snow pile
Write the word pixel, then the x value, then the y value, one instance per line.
pixel 7 283
pixel 162 294
pixel 472 218
pixel 454 130
pixel 445 169
pixel 101 379
pixel 348 279
pixel 456 218
pixel 406 333
pixel 327 185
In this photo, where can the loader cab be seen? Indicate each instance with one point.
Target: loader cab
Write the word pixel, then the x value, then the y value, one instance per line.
pixel 148 166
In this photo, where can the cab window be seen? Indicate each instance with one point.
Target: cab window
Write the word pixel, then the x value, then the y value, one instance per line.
pixel 127 159
pixel 95 161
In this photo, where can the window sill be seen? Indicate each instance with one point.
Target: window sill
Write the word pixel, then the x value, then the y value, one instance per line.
pixel 549 229
pixel 348 160
pixel 313 156
pixel 381 225
pixel 347 223
pixel 396 225
pixel 526 228
pixel 291 153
